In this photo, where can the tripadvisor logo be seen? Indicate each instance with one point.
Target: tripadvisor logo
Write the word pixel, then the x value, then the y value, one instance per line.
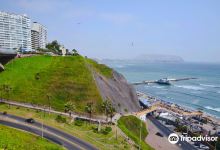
pixel 173 138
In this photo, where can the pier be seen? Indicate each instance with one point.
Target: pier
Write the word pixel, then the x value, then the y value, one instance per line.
pixel 158 81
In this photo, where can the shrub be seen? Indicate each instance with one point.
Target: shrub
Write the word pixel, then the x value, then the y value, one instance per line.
pixel 107 130
pixel 78 122
pixel 95 129
pixel 60 119
pixel 181 129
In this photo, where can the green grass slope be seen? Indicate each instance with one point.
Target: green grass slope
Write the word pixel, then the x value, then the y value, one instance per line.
pixel 13 139
pixel 101 68
pixel 130 125
pixel 47 80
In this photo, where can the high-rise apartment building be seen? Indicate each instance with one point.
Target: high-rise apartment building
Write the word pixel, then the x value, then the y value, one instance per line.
pixel 38 36
pixel 15 32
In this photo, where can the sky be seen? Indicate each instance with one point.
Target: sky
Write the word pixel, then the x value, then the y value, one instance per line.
pixel 122 29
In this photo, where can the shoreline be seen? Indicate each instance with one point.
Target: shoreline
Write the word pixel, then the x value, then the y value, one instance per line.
pixel 153 99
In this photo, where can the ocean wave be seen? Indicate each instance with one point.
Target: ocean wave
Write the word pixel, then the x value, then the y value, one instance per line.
pixel 210 85
pixel 190 87
pixel 212 108
pixel 158 87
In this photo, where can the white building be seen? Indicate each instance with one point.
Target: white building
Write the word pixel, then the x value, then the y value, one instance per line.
pixel 38 36
pixel 15 32
pixel 63 50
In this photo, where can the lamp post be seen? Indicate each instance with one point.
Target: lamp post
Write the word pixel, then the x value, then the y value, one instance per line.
pixel 42 126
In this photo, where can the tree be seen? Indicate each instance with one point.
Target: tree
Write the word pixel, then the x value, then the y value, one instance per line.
pixel 105 107
pixel 69 107
pixel 53 46
pixel 49 101
pixel 111 111
pixel 89 109
pixel 7 90
pixel 75 52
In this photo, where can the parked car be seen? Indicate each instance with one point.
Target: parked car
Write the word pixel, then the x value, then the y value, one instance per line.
pixel 204 147
pixel 159 134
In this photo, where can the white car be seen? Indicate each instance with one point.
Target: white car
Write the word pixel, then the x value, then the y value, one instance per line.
pixel 204 147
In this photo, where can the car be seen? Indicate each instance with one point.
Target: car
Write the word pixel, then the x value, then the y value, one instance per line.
pixel 159 134
pixel 204 147
pixel 30 120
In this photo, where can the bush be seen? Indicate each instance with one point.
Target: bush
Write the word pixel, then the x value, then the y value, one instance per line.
pixel 60 119
pixel 78 122
pixel 107 130
pixel 95 129
pixel 181 129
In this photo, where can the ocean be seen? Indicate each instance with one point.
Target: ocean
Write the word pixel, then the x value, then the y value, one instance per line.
pixel 200 94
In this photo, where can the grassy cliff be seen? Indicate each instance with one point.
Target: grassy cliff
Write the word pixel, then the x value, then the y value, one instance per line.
pixel 15 139
pixel 130 125
pixel 47 80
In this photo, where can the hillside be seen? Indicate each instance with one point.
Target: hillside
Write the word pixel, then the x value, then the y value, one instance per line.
pixel 54 81
pixel 131 125
pixel 16 139
pixel 47 80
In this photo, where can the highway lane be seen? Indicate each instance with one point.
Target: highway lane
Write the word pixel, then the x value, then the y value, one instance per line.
pixel 77 141
pixel 48 136
pixel 184 145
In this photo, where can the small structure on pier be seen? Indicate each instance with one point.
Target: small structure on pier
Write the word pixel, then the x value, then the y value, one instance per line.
pixel 164 81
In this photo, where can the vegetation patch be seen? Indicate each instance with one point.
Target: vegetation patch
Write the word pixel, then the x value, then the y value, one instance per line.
pixel 60 119
pixel 12 139
pixel 78 122
pixel 101 68
pixel 84 132
pixel 131 126
pixel 50 81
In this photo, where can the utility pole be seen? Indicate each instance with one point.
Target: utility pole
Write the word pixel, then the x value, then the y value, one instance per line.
pixel 116 131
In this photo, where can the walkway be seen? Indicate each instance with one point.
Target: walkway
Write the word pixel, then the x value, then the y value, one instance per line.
pixel 53 111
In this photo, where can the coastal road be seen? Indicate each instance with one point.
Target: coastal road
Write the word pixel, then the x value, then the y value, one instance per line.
pixel 184 145
pixel 68 141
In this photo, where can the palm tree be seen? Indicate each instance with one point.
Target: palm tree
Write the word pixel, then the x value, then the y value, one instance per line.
pixel 111 111
pixel 49 102
pixel 89 109
pixel 69 107
pixel 105 107
pixel 75 52
pixel 7 90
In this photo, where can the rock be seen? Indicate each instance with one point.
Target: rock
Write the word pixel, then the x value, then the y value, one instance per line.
pixel 119 92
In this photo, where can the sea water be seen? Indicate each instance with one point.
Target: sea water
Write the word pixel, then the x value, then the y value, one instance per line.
pixel 202 93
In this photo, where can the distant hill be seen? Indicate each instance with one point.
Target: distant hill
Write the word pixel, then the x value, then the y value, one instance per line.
pixel 151 58
pixel 56 80
pixel 159 58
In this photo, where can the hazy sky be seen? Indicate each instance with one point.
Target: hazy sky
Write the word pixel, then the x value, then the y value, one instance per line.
pixel 127 28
